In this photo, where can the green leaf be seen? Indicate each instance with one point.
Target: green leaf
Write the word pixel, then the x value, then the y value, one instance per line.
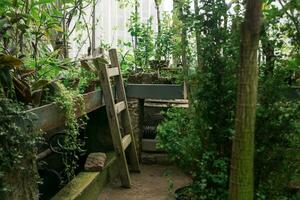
pixel 39 84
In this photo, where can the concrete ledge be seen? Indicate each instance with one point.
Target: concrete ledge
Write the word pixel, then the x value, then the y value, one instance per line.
pixel 154 91
pixel 88 185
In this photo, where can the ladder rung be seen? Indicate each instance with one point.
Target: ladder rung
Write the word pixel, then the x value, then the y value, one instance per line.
pixel 114 71
pixel 126 140
pixel 120 106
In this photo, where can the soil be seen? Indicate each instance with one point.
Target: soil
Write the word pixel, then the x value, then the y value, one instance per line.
pixel 155 182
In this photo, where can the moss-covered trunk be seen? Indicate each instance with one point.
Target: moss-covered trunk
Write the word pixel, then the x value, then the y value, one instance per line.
pixel 242 161
pixel 21 183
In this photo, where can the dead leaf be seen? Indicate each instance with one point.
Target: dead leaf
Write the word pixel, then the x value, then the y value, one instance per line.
pixel 22 90
pixel 9 61
pixel 39 84
pixel 26 72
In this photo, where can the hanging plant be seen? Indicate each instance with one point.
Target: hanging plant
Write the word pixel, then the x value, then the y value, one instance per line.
pixel 71 102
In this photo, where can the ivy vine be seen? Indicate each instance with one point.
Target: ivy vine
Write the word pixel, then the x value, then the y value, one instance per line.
pixel 70 101
pixel 18 144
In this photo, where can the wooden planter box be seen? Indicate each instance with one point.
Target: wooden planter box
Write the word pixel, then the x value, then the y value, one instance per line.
pixel 50 116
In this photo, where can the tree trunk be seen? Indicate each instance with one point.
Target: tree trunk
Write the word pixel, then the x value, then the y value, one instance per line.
pixel 268 51
pixel 198 37
pixel 176 38
pixel 22 183
pixel 65 32
pixel 93 47
pixel 158 42
pixel 184 44
pixel 242 161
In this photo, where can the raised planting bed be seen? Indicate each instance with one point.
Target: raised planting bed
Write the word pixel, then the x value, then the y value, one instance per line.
pixel 88 185
pixel 51 118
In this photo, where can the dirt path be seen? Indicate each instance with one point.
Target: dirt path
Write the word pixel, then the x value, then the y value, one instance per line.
pixel 154 183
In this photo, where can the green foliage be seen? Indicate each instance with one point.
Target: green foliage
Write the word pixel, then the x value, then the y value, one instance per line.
pixel 143 34
pixel 127 59
pixel 178 136
pixel 164 41
pixel 70 102
pixel 18 142
pixel 277 137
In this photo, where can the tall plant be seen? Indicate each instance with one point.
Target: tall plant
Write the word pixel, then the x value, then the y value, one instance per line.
pixel 143 33
pixel 242 159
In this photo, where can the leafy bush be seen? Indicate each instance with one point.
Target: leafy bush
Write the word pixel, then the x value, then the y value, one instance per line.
pixel 178 136
pixel 144 46
pixel 277 138
pixel 18 146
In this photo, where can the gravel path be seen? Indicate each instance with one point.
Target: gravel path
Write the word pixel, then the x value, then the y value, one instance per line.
pixel 156 182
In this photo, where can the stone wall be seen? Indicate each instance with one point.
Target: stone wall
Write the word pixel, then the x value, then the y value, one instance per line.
pixel 136 115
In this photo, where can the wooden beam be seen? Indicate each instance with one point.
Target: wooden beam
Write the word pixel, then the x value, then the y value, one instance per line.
pixel 120 106
pixel 50 116
pixel 126 140
pixel 114 71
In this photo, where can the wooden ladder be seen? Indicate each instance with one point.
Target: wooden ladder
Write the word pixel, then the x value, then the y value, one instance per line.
pixel 118 115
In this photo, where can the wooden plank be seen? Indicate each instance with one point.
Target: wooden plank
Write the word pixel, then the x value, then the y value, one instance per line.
pixel 154 91
pixel 120 106
pixel 125 116
pixel 89 185
pixel 50 116
pixel 92 58
pixel 126 140
pixel 161 105
pixel 114 71
pixel 173 101
pixel 113 122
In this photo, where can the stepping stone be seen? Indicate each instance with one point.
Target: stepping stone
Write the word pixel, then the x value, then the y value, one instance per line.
pixel 95 162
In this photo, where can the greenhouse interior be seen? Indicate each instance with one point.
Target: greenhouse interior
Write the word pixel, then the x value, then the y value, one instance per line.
pixel 149 99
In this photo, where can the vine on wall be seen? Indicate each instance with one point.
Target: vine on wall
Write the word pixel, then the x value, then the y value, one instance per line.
pixel 18 147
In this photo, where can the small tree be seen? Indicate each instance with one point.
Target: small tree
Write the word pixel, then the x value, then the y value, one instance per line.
pixel 242 161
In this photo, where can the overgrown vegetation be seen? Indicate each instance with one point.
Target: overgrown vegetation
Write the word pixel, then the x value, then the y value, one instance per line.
pixel 71 102
pixel 35 70
pixel 202 38
pixel 200 139
pixel 18 147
